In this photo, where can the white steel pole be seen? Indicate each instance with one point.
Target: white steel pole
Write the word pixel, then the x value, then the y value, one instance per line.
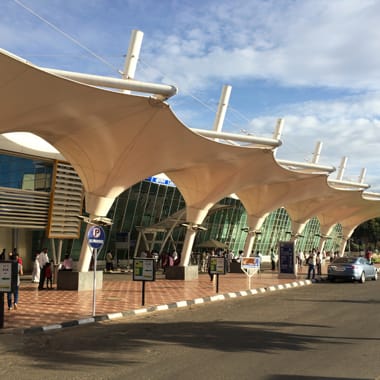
pixel 341 168
pixel 133 54
pixel 362 175
pixel 317 152
pixel 95 255
pixel 347 184
pixel 279 127
pixel 222 108
pixel 163 90
pixel 267 142
pixel 278 131
pixel 307 165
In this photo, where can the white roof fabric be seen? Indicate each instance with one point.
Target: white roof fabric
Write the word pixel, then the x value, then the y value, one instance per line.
pixel 114 140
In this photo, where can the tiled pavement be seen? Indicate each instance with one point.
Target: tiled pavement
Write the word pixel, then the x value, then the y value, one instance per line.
pixel 42 310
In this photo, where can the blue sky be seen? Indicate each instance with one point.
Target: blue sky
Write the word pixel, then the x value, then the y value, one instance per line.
pixel 314 63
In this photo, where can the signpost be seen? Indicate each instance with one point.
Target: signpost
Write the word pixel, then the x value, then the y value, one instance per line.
pixel 8 280
pixel 95 237
pixel 250 266
pixel 287 262
pixel 143 270
pixel 217 266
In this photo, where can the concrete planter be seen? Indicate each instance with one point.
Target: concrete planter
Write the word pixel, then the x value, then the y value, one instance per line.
pixel 235 267
pixel 67 280
pixel 182 273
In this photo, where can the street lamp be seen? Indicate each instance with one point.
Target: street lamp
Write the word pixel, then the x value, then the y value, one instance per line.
pixel 97 221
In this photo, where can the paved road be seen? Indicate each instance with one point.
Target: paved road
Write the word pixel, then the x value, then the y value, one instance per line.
pixel 323 331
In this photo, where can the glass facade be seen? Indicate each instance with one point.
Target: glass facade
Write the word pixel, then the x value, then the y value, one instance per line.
pixel 276 227
pixel 147 203
pixel 25 173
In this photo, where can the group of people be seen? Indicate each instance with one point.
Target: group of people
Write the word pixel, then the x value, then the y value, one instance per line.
pixel 163 260
pixel 202 259
pixel 169 260
pixel 43 270
pixel 314 262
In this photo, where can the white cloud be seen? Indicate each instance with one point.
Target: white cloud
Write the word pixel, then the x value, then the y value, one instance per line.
pixel 347 127
pixel 301 43
pixel 294 43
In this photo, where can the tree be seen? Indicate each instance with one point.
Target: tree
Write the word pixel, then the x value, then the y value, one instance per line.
pixel 367 234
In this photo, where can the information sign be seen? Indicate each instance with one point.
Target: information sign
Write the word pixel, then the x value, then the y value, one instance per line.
pixel 250 266
pixel 217 265
pixel 5 277
pixel 250 263
pixel 143 269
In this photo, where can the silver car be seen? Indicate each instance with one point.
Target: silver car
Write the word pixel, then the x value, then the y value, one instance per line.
pixel 352 268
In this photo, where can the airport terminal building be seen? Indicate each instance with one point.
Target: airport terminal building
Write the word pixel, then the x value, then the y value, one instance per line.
pixel 225 187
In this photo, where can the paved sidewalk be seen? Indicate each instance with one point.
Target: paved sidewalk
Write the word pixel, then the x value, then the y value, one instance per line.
pixel 44 310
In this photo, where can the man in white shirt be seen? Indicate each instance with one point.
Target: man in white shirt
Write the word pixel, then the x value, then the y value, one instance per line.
pixel 43 258
pixel 273 259
pixel 312 262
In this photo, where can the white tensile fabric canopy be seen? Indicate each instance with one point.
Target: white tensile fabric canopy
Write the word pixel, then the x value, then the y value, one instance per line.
pixel 114 140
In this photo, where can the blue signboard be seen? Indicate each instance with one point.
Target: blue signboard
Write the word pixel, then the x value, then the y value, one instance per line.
pixel 160 181
pixel 287 263
pixel 96 237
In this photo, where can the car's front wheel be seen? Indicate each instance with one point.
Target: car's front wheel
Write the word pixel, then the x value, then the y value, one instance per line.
pixel 362 278
pixel 374 278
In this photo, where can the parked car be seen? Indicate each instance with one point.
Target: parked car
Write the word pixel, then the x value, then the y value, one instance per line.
pixel 352 268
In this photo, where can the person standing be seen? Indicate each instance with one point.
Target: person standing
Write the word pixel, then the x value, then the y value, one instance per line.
pixel 175 257
pixel 311 261
pixel 164 261
pixel 210 270
pixel 171 260
pixel 319 261
pixel 259 256
pixel 109 261
pixel 43 258
pixel 48 276
pixel 16 288
pixel 67 263
pixel 230 257
pixel 36 269
pixel 18 258
pixel 368 255
pixel 302 258
pixel 273 259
